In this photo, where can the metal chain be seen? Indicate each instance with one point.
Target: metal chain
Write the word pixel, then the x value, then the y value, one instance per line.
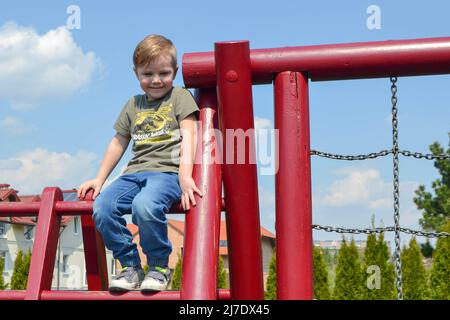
pixel 398 266
pixel 358 157
pixel 395 151
pixel 419 155
pixel 380 230
pixel 382 153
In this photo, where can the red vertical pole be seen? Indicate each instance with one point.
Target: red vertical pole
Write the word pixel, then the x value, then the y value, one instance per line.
pixel 94 252
pixel 95 256
pixel 45 244
pixel 201 241
pixel 293 187
pixel 234 87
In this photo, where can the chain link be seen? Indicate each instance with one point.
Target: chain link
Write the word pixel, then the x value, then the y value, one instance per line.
pixel 419 155
pixel 382 153
pixel 381 230
pixel 345 157
pixel 398 266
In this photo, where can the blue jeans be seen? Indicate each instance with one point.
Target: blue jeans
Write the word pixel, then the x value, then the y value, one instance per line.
pixel 148 196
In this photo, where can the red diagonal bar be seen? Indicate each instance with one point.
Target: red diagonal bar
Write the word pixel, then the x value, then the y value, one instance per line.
pixel 44 247
pixel 413 57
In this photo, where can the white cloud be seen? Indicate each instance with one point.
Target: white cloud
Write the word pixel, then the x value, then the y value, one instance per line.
pixel 36 68
pixel 263 123
pixel 356 187
pixel 13 126
pixel 30 172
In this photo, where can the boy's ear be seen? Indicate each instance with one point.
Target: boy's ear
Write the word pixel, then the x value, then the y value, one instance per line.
pixel 175 73
pixel 135 71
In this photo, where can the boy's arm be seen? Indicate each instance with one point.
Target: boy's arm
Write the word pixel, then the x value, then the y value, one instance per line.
pixel 113 154
pixel 187 157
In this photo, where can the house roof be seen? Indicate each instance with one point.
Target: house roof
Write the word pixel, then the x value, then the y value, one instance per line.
pixel 5 191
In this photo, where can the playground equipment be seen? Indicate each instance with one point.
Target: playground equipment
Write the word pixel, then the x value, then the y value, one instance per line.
pixel 223 81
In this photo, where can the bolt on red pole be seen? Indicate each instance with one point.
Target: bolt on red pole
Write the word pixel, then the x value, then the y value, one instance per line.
pixel 201 241
pixel 293 188
pixel 234 88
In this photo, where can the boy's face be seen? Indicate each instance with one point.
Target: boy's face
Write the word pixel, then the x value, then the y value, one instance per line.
pixel 156 78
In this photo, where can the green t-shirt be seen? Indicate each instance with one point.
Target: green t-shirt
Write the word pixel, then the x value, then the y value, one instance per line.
pixel 154 127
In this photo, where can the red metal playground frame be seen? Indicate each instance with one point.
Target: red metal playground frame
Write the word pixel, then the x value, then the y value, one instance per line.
pixel 223 81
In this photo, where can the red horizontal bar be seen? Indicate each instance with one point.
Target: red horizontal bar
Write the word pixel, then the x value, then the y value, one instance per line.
pixel 63 208
pixel 223 294
pixel 428 56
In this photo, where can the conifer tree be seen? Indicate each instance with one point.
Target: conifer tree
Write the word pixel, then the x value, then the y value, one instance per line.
pixel 271 282
pixel 436 208
pixel 321 282
pixel 20 273
pixel 388 290
pixel 3 285
pixel 440 271
pixel 222 276
pixel 176 278
pixel 348 281
pixel 378 271
pixel 414 275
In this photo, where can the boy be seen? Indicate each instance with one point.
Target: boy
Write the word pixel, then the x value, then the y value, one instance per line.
pixel 158 175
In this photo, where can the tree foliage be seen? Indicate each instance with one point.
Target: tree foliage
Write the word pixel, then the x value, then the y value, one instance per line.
pixel 436 208
pixel 414 276
pixel 440 271
pixel 3 285
pixel 321 279
pixel 377 259
pixel 21 268
pixel 271 282
pixel 348 282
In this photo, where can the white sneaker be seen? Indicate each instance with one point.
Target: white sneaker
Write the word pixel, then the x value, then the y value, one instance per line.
pixel 129 278
pixel 157 279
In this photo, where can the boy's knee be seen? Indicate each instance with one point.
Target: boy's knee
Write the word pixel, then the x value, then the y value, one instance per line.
pixel 102 207
pixel 148 210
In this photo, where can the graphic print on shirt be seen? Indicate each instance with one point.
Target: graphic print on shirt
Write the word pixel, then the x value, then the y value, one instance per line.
pixel 152 126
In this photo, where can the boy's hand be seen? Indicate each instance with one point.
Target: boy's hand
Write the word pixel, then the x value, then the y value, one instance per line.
pixel 94 184
pixel 188 188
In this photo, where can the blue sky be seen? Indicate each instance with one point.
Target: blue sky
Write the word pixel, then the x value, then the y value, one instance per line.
pixel 61 91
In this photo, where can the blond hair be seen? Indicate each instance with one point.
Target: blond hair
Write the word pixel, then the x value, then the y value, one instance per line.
pixel 152 47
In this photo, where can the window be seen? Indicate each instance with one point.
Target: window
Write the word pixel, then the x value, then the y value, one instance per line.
pixel 75 225
pixel 28 233
pixel 2 230
pixel 65 263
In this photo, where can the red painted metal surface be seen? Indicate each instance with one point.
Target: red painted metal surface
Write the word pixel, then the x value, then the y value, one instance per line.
pixel 66 208
pixel 44 247
pixel 222 294
pixel 293 188
pixel 201 240
pixel 333 62
pixel 234 90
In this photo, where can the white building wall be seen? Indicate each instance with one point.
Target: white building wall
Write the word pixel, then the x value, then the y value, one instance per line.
pixel 70 245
